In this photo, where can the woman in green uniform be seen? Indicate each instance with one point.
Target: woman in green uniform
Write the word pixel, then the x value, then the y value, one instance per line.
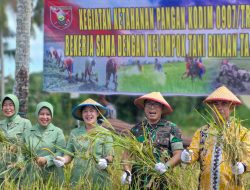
pixel 90 159
pixel 11 128
pixel 44 141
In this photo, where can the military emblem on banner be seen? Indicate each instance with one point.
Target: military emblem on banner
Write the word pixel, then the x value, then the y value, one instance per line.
pixel 61 16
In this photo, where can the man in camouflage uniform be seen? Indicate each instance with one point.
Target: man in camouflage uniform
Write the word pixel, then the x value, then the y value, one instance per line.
pixel 162 134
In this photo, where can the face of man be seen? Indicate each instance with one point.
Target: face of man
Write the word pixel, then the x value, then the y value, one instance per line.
pixel 224 108
pixel 153 111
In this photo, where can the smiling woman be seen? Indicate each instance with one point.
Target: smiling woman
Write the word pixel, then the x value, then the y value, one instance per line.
pixel 13 127
pixel 42 137
pixel 44 117
pixel 90 158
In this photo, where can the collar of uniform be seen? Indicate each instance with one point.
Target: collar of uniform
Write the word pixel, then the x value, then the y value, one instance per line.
pixel 39 128
pixel 2 122
pixel 9 125
pixel 161 122
pixel 17 119
pixel 81 128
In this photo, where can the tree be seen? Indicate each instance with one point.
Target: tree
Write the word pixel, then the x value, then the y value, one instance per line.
pixel 4 31
pixel 23 28
pixel 22 57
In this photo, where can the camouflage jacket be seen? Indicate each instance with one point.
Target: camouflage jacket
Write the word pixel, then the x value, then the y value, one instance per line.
pixel 164 136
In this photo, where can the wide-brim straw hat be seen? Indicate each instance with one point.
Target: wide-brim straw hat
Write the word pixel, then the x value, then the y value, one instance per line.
pixel 222 94
pixel 154 96
pixel 77 111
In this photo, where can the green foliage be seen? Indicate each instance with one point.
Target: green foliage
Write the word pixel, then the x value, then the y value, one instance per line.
pixel 184 114
pixel 178 178
pixel 167 81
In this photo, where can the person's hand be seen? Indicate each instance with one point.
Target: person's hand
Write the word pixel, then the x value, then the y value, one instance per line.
pixel 102 164
pixel 41 161
pixel 10 166
pixel 161 168
pixel 59 161
pixel 126 177
pixel 19 165
pixel 13 149
pixel 238 168
pixel 186 156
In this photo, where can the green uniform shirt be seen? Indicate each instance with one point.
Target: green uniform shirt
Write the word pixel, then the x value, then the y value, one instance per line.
pixel 86 156
pixel 38 138
pixel 12 130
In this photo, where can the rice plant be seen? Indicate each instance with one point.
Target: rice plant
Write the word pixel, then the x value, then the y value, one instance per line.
pixel 178 178
pixel 142 155
pixel 228 135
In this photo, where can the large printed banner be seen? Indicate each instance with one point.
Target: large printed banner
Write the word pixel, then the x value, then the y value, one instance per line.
pixel 136 46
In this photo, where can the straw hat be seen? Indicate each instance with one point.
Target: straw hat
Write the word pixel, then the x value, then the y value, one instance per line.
pixel 155 96
pixel 77 111
pixel 222 94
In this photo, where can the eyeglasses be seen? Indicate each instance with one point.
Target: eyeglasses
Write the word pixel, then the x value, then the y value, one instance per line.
pixel 153 104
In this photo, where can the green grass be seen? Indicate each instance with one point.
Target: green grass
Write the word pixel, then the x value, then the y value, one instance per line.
pixel 169 81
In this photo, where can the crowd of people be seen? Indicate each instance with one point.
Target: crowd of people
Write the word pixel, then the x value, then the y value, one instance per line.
pixel 46 151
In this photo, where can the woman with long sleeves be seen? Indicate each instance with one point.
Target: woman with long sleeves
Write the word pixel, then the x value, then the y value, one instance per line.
pixel 101 150
pixel 44 141
pixel 12 127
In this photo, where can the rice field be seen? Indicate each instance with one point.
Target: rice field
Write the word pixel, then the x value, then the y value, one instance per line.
pixel 179 178
pixel 169 81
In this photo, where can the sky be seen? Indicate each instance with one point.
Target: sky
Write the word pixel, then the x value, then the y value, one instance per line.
pixel 36 48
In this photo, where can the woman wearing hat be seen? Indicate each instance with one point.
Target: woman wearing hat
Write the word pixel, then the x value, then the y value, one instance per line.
pixel 164 135
pixel 206 147
pixel 95 170
pixel 44 141
pixel 12 127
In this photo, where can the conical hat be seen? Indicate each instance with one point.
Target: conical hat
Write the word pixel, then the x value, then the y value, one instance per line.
pixel 77 111
pixel 155 96
pixel 223 94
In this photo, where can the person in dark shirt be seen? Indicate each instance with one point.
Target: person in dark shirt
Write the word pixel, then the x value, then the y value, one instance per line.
pixel 164 136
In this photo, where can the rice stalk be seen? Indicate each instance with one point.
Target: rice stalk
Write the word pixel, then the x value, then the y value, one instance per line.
pixel 50 151
pixel 143 157
pixel 228 137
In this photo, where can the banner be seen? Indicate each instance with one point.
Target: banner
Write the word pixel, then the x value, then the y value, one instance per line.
pixel 137 46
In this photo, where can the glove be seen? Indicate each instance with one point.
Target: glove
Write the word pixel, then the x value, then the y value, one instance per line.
pixel 102 164
pixel 126 177
pixel 238 168
pixel 59 161
pixel 186 156
pixel 161 168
